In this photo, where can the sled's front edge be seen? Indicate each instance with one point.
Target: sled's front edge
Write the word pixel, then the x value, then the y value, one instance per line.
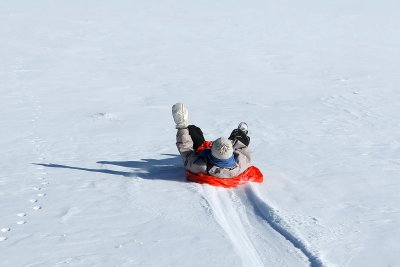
pixel 252 174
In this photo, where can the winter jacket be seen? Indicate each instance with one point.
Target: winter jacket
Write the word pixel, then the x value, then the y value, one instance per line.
pixel 198 164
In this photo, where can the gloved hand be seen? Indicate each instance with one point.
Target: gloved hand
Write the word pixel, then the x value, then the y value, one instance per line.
pixel 238 134
pixel 181 116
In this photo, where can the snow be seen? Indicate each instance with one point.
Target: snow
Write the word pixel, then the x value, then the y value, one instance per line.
pixel 90 173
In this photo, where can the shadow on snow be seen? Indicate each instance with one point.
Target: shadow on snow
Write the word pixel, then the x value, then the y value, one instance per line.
pixel 169 169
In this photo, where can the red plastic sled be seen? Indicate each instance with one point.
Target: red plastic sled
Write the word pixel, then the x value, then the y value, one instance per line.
pixel 252 174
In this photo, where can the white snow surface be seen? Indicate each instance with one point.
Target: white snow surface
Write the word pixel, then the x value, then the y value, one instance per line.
pixel 90 175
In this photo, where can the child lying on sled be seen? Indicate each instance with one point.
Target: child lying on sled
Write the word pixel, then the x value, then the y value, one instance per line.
pixel 227 157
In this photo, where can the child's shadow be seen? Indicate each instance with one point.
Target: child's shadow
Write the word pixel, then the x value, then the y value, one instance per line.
pixel 155 169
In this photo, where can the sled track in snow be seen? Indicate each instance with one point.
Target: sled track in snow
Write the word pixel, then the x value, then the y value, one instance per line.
pixel 227 216
pixel 267 213
pixel 234 221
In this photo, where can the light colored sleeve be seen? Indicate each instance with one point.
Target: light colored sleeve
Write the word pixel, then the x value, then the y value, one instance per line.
pixel 243 155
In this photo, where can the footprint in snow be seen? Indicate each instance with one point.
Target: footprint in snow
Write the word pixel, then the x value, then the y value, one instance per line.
pixel 37 208
pixel 4 230
pixel 41 195
pixel 21 222
pixel 3 238
pixel 105 116
pixel 33 200
pixel 22 214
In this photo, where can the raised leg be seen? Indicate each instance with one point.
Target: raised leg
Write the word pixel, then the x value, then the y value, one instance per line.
pixel 197 136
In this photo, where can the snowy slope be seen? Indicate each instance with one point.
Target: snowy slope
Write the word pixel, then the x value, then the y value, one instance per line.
pixel 90 174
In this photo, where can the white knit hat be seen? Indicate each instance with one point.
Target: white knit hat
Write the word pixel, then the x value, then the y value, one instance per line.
pixel 222 148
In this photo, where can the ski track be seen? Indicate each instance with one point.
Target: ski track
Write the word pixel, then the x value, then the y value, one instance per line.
pixel 236 225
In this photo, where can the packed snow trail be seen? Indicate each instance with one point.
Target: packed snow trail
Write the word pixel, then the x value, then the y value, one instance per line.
pixel 232 209
pixel 231 222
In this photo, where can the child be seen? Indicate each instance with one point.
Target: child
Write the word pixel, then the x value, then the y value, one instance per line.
pixel 227 158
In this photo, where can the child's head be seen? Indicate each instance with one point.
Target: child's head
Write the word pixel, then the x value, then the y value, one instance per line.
pixel 222 148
